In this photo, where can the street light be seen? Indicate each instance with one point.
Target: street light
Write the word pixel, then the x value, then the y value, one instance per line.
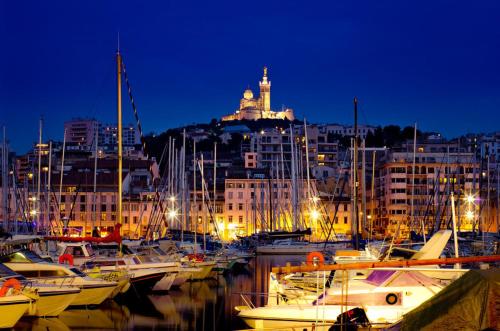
pixel 315 214
pixel 470 198
pixel 469 215
pixel 172 213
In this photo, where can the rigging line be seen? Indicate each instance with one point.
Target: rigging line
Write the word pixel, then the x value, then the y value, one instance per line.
pixel 134 108
pixel 141 133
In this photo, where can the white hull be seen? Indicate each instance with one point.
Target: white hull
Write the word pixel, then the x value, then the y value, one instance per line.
pixel 12 308
pixel 295 316
pixel 293 249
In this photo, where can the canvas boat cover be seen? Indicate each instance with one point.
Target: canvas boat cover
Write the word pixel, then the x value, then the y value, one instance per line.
pixel 472 302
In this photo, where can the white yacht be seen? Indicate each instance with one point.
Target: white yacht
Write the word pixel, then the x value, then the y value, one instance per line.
pixel 293 247
pixel 385 295
pixel 52 299
pixel 31 266
pixel 144 276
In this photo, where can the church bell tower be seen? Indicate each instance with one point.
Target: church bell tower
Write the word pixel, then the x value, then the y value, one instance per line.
pixel 265 92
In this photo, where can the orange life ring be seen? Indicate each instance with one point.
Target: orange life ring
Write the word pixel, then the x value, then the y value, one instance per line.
pixel 315 258
pixel 10 283
pixel 66 258
pixel 196 257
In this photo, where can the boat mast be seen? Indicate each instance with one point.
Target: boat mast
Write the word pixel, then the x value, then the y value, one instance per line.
pixel 355 180
pixel 294 184
pixel 119 133
pixel 94 198
pixel 38 205
pixel 372 209
pixel 215 181
pixel 203 210
pixel 363 185
pixel 5 160
pixel 455 239
pixel 61 175
pixel 183 175
pixel 49 177
pixel 195 225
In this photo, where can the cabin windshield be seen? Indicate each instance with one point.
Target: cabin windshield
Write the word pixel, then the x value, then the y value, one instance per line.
pixel 23 256
pixel 159 251
pixel 78 272
pixel 6 272
pixel 378 277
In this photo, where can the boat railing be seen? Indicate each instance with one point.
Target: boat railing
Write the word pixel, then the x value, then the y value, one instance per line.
pixel 54 280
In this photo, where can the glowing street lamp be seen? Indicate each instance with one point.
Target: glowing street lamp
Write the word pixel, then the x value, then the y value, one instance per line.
pixel 314 214
pixel 172 214
pixel 470 198
pixel 172 198
pixel 469 215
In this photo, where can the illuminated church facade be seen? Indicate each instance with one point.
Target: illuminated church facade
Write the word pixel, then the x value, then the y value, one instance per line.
pixel 259 108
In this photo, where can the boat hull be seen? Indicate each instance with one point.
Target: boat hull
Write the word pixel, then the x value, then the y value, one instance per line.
pixel 12 308
pixel 51 304
pixel 91 295
pixel 206 269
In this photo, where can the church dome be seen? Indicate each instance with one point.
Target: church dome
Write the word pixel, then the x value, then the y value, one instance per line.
pixel 248 94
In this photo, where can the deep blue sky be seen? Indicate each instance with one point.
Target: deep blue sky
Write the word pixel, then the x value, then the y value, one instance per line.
pixel 434 62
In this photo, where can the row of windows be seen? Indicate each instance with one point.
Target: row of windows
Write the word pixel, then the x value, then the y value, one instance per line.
pixel 254 185
pixel 397 211
pixel 284 195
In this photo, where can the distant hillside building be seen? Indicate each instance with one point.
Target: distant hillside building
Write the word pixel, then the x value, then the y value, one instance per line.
pixel 259 108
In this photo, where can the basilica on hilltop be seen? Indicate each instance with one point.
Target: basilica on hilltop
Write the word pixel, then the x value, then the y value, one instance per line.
pixel 259 108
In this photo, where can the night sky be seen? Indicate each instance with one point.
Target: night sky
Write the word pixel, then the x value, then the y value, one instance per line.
pixel 433 62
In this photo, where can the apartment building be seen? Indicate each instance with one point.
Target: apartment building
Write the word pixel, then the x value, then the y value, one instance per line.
pixel 410 200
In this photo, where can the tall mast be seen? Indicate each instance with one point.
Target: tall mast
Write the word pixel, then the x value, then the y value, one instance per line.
pixel 363 185
pixel 293 186
pixel 215 182
pixel 119 133
pixel 195 214
pixel 94 197
pixel 307 163
pixel 372 209
pixel 183 176
pixel 61 175
pixel 5 180
pixel 49 176
pixel 203 210
pixel 355 175
pixel 38 205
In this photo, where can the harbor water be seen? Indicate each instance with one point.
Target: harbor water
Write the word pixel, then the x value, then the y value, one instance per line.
pixel 202 305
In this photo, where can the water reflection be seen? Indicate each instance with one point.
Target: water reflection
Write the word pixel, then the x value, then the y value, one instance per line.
pixel 206 305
